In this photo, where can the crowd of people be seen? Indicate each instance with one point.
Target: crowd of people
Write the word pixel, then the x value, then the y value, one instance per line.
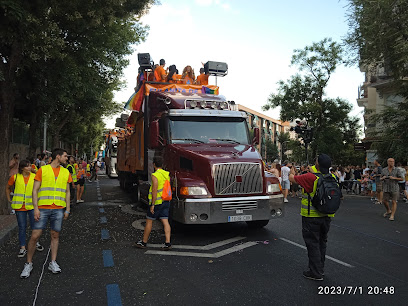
pixel 171 75
pixel 359 180
pixel 44 189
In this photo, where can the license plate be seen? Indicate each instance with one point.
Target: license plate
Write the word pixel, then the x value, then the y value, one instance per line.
pixel 239 218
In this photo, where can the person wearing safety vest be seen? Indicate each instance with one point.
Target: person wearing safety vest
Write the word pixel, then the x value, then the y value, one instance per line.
pixel 22 202
pixel 72 170
pixel 51 202
pixel 159 209
pixel 315 225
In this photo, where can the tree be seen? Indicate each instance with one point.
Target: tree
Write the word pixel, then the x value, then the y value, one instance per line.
pixel 76 50
pixel 272 151
pixel 303 97
pixel 378 36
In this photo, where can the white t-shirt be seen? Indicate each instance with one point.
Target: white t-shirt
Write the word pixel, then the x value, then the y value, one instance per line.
pixel 285 173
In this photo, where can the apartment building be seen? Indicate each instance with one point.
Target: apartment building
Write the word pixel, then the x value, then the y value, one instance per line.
pixel 268 127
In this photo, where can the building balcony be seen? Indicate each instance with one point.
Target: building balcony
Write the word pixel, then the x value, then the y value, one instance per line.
pixel 362 102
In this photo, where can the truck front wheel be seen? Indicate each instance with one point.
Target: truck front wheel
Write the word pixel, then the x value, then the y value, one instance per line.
pixel 257 224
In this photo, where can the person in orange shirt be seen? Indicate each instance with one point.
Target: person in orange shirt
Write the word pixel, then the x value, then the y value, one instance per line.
pixel 171 77
pixel 80 183
pixel 188 76
pixel 160 73
pixel 51 201
pixel 22 181
pixel 202 79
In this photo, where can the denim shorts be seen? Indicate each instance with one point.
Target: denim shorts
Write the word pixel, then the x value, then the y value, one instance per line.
pixel 285 184
pixel 54 215
pixel 161 211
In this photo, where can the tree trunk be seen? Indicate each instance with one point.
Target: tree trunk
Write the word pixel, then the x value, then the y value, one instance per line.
pixel 33 133
pixel 6 124
pixel 57 130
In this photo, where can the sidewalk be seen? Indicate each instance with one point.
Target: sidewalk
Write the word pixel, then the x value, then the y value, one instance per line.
pixel 8 225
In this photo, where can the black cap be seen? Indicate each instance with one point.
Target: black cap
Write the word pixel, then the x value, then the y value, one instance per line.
pixel 162 62
pixel 324 161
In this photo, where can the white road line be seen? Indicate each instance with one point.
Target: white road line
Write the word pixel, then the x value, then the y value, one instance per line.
pixel 205 255
pixel 200 247
pixel 328 257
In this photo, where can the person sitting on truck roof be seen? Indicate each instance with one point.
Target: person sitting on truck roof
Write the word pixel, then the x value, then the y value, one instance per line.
pixel 188 76
pixel 150 75
pixel 172 73
pixel 202 79
pixel 160 73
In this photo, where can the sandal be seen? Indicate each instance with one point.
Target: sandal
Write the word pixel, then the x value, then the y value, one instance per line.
pixel 391 218
pixel 385 215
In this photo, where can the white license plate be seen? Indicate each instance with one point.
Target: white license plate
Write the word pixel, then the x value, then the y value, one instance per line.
pixel 239 218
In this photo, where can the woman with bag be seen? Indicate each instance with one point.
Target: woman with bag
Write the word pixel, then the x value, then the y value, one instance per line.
pixel 22 202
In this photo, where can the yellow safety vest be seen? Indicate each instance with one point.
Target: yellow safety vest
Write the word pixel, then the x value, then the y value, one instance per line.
pixel 304 210
pixel 162 176
pixel 88 168
pixel 53 191
pixel 73 174
pixel 23 194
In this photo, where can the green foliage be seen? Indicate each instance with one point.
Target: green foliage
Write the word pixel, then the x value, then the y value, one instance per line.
pixel 392 134
pixel 378 33
pixel 302 96
pixel 67 59
pixel 378 36
pixel 272 151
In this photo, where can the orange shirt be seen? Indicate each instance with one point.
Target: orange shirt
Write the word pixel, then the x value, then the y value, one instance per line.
pixel 188 80
pixel 38 177
pixel 11 183
pixel 202 79
pixel 81 173
pixel 160 74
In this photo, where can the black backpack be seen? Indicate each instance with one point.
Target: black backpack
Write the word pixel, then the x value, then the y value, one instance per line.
pixel 328 194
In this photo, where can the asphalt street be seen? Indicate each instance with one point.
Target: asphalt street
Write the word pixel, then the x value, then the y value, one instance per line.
pixel 211 265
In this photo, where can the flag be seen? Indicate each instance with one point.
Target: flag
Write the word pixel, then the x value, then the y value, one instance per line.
pixel 136 100
pixel 206 90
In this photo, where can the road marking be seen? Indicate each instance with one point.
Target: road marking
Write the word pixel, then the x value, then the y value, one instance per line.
pixel 328 257
pixel 104 234
pixel 99 198
pixel 113 294
pixel 200 247
pixel 107 258
pixel 205 255
pixel 104 220
pixel 100 203
pixel 101 210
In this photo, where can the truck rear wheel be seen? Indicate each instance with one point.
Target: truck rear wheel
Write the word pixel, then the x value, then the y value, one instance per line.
pixel 257 224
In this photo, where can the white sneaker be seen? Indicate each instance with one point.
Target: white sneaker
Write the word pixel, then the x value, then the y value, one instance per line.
pixel 54 267
pixel 22 253
pixel 28 267
pixel 285 200
pixel 39 247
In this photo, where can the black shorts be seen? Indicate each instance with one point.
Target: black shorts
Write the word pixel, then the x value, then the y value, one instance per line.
pixel 80 182
pixel 161 211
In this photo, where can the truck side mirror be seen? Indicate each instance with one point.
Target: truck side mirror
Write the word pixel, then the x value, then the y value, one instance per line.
pixel 255 141
pixel 154 135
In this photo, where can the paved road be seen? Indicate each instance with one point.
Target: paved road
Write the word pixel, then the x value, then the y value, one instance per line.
pixel 212 265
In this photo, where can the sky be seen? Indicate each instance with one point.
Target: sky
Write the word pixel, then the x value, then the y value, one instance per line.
pixel 255 38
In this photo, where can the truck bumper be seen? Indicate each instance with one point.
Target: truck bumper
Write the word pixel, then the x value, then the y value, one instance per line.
pixel 225 210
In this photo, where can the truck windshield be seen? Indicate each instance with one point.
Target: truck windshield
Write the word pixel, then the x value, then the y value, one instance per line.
pixel 208 130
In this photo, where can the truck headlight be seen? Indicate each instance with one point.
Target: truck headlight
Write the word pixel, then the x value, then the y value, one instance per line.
pixel 272 188
pixel 193 191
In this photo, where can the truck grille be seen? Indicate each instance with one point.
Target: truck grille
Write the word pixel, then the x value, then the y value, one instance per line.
pixel 244 205
pixel 237 178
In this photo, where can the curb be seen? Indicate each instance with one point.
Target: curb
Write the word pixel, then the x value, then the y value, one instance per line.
pixel 7 231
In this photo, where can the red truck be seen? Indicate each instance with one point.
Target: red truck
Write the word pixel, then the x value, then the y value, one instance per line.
pixel 217 175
